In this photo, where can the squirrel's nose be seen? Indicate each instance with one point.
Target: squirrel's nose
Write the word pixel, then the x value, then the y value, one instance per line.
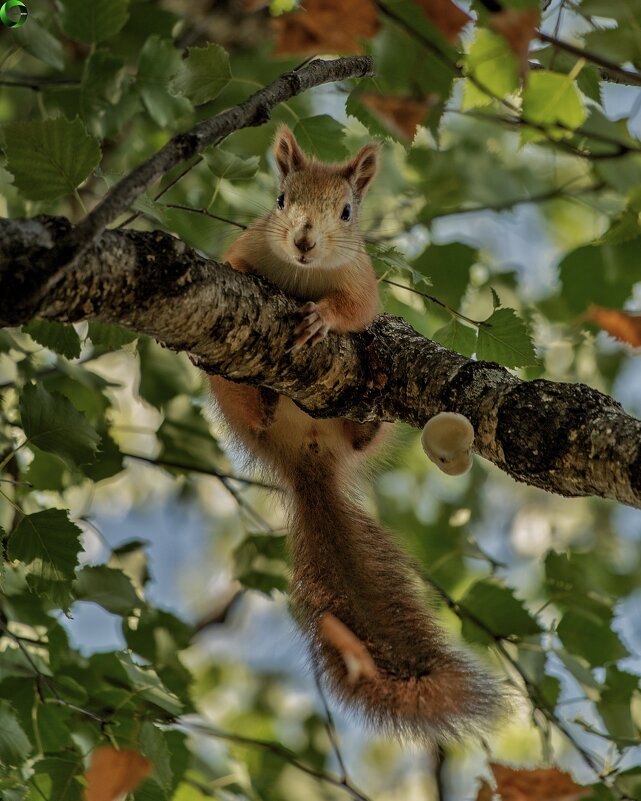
pixel 304 245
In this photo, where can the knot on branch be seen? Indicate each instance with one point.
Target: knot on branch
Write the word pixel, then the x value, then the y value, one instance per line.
pixel 293 80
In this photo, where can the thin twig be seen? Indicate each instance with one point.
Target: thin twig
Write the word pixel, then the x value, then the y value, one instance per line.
pixel 278 750
pixel 207 213
pixel 629 76
pixel 331 729
pixel 161 462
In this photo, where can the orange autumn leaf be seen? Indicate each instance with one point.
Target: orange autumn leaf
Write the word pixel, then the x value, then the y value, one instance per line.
pixel 622 325
pixel 112 774
pixel 517 27
pixel 446 16
pixel 355 655
pixel 403 115
pixel 542 784
pixel 326 26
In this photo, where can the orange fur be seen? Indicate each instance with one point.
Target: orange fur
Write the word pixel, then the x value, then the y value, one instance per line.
pixel 345 565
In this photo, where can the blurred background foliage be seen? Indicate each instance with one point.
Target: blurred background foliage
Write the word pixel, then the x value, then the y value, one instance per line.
pixel 143 577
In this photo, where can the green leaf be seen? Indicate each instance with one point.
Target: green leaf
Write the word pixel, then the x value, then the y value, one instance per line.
pixel 107 587
pixel 615 703
pixel 112 337
pixel 40 43
pixel 14 743
pixel 186 439
pixel 146 682
pixel 386 258
pixel 619 44
pixel 95 21
pixel 230 166
pixel 204 74
pixel 57 778
pixel 50 158
pixel 458 337
pixel 587 634
pixel 497 610
pixel 48 543
pixel 52 423
pixel 550 690
pixel 448 267
pixel 164 374
pixel 493 64
pixel 552 98
pixel 603 274
pixel 264 581
pixel 260 563
pixel 158 636
pixel 154 747
pixel 101 87
pixel 270 546
pixel 108 461
pixel 159 62
pixel 60 337
pixel 47 471
pixel 52 724
pixel 321 137
pixel 505 338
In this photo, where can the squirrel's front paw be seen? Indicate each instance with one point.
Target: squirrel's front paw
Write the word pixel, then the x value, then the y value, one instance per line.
pixel 313 328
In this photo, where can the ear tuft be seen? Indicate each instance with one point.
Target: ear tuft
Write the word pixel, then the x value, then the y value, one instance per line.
pixel 288 155
pixel 362 168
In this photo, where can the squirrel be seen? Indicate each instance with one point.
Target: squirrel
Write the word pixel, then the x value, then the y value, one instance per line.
pixel 355 593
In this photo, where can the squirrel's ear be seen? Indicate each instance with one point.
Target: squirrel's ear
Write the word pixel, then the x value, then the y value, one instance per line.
pixel 287 153
pixel 362 168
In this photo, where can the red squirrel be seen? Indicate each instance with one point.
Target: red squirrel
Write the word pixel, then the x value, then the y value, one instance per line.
pixel 355 593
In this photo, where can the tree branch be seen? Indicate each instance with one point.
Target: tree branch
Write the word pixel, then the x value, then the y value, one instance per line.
pixel 564 438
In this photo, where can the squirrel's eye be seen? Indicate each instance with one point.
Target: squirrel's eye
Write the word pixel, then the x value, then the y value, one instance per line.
pixel 280 200
pixel 346 214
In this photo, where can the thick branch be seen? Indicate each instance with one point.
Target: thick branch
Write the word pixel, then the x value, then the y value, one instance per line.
pixel 564 438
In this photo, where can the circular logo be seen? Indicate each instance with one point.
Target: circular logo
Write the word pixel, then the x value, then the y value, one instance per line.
pixel 14 13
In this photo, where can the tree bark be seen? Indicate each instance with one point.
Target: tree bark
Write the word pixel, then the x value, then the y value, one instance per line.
pixel 564 438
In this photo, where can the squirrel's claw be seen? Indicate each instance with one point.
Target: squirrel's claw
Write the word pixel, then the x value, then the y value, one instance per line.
pixel 313 327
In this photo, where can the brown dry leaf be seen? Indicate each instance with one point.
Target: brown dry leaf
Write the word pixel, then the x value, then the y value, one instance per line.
pixel 326 26
pixel 517 27
pixel 112 774
pixel 357 658
pixel 543 784
pixel 401 114
pixel 446 15
pixel 622 325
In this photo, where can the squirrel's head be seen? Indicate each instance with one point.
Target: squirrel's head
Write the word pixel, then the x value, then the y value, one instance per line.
pixel 315 221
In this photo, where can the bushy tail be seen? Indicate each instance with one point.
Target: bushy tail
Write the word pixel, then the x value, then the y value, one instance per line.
pixel 349 571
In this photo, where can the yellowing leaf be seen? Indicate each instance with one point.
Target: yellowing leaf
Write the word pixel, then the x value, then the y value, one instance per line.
pixel 112 774
pixel 552 98
pixel 517 27
pixel 446 16
pixel 542 784
pixel 494 66
pixel 403 115
pixel 326 26
pixel 619 324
